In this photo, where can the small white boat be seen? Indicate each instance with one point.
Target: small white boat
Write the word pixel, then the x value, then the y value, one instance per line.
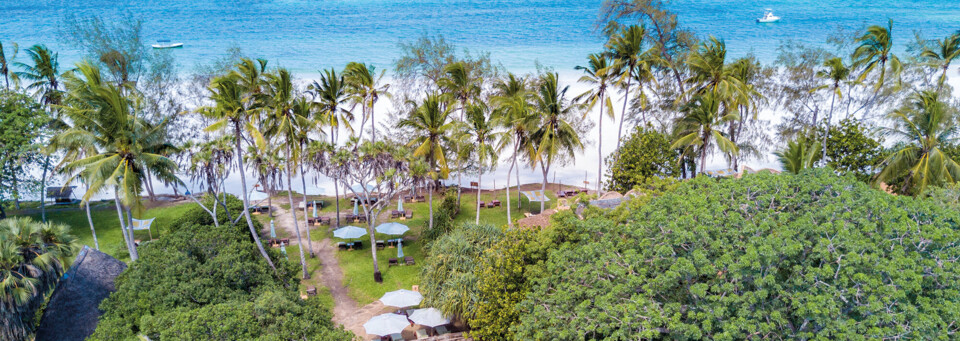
pixel 166 44
pixel 768 17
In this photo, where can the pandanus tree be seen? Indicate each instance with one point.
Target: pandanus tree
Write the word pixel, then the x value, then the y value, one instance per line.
pixel 431 124
pixel 626 49
pixel 481 131
pixel 234 107
pixel 208 164
pixel 701 126
pixel 600 76
pixel 836 73
pixel 129 147
pixel 288 127
pixel 875 53
pixel 331 96
pixel 924 125
pixel 43 78
pixel 940 58
pixel 365 87
pixel 516 114
pixel 555 138
pixel 461 85
pixel 33 257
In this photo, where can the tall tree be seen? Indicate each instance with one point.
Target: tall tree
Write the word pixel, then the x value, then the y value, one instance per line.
pixel 365 88
pixel 835 73
pixel 287 125
pixel 462 85
pixel 430 121
pixel 702 125
pixel 331 95
pixel 925 125
pixel 626 48
pixel 516 114
pixel 599 75
pixel 947 50
pixel 876 53
pixel 233 106
pixel 555 138
pixel 481 132
pixel 5 63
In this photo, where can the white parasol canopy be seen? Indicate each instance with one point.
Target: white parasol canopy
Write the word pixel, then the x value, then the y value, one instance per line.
pixel 349 232
pixel 392 228
pixel 401 298
pixel 430 317
pixel 386 324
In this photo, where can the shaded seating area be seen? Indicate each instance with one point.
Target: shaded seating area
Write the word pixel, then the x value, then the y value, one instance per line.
pixel 357 218
pixel 259 209
pixel 347 246
pixel 61 195
pixel 276 242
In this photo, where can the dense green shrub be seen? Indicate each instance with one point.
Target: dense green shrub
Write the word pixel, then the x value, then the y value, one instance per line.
pixel 448 278
pixel 443 214
pixel 852 148
pixel 767 256
pixel 645 154
pixel 201 278
pixel 196 215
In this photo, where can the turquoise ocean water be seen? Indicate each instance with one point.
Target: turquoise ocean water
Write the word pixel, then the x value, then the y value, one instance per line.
pixel 308 35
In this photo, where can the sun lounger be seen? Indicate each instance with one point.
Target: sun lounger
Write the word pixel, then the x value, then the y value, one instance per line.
pixel 312 290
pixel 490 204
pixel 408 214
pixel 482 204
pixel 396 337
pixel 342 246
pixel 496 203
pixel 409 260
pixel 422 334
pixel 392 262
pixel 325 220
pixel 357 245
pixel 561 194
pixel 394 214
pixel 442 330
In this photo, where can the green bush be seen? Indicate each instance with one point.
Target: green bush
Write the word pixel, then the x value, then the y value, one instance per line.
pixel 809 256
pixel 202 277
pixel 851 148
pixel 196 215
pixel 645 154
pixel 448 277
pixel 443 215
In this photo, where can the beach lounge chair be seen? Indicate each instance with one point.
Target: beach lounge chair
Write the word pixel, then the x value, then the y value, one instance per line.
pixel 381 245
pixel 409 260
pixel 561 194
pixel 394 214
pixel 396 337
pixel 441 330
pixel 342 246
pixel 325 220
pixel 357 245
pixel 482 204
pixel 312 290
pixel 490 204
pixel 392 262
pixel 408 214
pixel 496 203
pixel 422 334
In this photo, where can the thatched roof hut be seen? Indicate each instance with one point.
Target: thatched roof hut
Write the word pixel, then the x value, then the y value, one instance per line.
pixel 72 312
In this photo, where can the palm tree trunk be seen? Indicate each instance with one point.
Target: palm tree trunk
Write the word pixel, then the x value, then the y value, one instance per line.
pixel 373 124
pixel 93 231
pixel 546 170
pixel 479 189
pixel 306 218
pixel 519 198
pixel 623 114
pixel 136 254
pixel 131 249
pixel 703 155
pixel 246 199
pixel 826 132
pixel 371 222
pixel 463 109
pixel 43 189
pixel 336 187
pixel 512 164
pixel 430 193
pixel 600 146
pixel 293 214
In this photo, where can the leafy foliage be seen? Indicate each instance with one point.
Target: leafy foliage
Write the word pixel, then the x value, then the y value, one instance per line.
pixel 779 256
pixel 448 280
pixel 851 149
pixel 23 120
pixel 205 280
pixel 646 154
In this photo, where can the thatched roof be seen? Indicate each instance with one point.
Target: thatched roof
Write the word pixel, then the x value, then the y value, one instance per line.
pixel 72 311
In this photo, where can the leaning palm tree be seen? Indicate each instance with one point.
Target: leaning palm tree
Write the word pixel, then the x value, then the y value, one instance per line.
pixel 460 84
pixel 947 50
pixel 233 107
pixel 625 48
pixel 876 53
pixel 43 77
pixel 331 96
pixel 924 124
pixel 836 73
pixel 365 89
pixel 798 155
pixel 701 126
pixel 431 124
pixel 515 113
pixel 599 74
pixel 5 63
pixel 555 138
pixel 288 126
pixel 129 148
pixel 480 130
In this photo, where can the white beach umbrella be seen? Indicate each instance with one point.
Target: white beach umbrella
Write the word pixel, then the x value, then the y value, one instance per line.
pixel 273 230
pixel 392 228
pixel 429 317
pixel 399 248
pixel 386 324
pixel 400 205
pixel 401 298
pixel 349 232
pixel 356 208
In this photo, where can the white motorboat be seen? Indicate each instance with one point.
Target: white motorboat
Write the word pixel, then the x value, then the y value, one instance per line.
pixel 768 17
pixel 166 44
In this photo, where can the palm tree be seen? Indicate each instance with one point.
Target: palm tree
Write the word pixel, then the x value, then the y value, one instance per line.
pixel 461 85
pixel 876 50
pixel 234 105
pixel 43 75
pixel 32 259
pixel 747 71
pixel 365 88
pixel 288 125
pixel 701 124
pixel 130 148
pixel 266 164
pixel 925 124
pixel 430 121
pixel 555 138
pixel 799 154
pixel 599 74
pixel 948 50
pixel 836 72
pixel 710 74
pixel 330 94
pixel 5 64
pixel 480 130
pixel 516 114
pixel 626 49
